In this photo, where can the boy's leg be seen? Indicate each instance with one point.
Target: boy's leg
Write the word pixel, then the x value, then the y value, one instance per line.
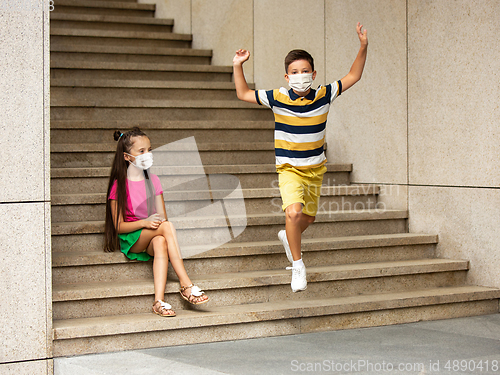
pixel 296 223
pixel 300 194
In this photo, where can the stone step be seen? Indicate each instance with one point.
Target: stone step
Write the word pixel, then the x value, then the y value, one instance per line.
pixel 102 155
pixel 178 91
pixel 101 7
pixel 131 66
pixel 181 203
pixel 227 111
pixel 125 53
pixel 94 242
pixel 387 246
pixel 139 58
pixel 65 83
pixel 89 266
pixel 95 180
pixel 92 299
pixel 85 207
pixel 122 332
pixel 162 132
pixel 109 22
pixel 117 38
pixel 152 103
pixel 211 232
pixel 102 70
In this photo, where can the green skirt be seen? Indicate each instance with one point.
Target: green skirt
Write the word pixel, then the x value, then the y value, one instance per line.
pixel 127 240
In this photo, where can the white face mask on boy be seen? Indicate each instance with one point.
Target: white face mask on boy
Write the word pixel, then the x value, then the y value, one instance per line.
pixel 300 82
pixel 143 161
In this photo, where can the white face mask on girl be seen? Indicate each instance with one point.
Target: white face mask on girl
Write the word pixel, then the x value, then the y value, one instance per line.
pixel 300 82
pixel 143 161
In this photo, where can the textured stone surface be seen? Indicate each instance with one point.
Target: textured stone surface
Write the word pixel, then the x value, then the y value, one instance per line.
pixel 393 197
pixel 224 26
pixel 453 85
pixel 25 283
pixel 398 316
pixel 25 175
pixel 465 222
pixel 280 28
pixel 40 367
pixel 24 102
pixel 260 319
pixel 179 10
pixel 367 123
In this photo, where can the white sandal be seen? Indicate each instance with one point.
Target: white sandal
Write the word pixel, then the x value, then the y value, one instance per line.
pixel 195 292
pixel 163 309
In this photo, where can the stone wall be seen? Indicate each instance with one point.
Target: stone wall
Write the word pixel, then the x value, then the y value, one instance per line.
pixel 453 130
pixel 25 266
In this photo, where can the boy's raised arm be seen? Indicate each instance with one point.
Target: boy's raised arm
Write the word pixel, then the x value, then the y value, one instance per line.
pixel 357 67
pixel 242 90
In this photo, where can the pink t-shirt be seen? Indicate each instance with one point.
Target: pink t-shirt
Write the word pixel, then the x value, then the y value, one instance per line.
pixel 137 202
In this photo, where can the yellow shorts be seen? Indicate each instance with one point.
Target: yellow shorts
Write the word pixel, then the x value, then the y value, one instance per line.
pixel 301 186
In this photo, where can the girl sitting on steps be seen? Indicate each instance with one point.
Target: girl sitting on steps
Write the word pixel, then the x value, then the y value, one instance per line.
pixel 136 219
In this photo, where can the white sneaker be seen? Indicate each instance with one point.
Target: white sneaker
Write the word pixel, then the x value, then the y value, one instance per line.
pixel 284 241
pixel 299 281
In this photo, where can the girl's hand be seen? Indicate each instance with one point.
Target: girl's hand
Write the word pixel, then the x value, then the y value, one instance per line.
pixel 153 222
pixel 241 56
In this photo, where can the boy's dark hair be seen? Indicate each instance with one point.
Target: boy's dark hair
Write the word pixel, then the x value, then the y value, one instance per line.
pixel 298 54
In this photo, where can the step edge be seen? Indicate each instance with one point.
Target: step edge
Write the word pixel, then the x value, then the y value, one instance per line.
pixel 264 247
pixel 256 279
pixel 162 125
pixel 92 327
pixel 94 172
pixel 107 5
pixel 132 50
pixel 111 19
pixel 58 200
pixel 119 34
pixel 96 227
pixel 148 85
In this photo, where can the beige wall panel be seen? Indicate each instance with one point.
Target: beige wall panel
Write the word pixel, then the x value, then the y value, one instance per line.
pixel 25 315
pixel 224 26
pixel 22 154
pixel 393 197
pixel 43 367
pixel 468 224
pixel 454 86
pixel 178 10
pixel 281 26
pixel 367 125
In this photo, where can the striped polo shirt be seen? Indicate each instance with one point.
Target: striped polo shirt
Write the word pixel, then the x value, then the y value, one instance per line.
pixel 300 122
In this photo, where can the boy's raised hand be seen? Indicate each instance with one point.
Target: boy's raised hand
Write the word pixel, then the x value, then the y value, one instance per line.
pixel 241 56
pixel 363 37
pixel 358 65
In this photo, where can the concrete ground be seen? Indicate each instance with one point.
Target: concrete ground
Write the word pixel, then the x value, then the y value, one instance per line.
pixel 454 346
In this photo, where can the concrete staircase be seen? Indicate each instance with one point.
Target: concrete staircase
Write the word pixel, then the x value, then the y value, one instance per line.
pixel 114 66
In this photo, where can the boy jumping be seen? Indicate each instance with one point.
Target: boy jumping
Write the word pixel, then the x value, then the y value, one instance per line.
pixel 300 120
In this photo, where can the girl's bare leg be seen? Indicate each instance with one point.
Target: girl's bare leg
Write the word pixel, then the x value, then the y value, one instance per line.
pixel 167 231
pixel 158 249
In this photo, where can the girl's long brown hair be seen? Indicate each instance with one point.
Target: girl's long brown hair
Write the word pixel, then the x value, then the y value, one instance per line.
pixel 119 173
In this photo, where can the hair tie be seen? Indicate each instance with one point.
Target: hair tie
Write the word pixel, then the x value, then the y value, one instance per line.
pixel 120 137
